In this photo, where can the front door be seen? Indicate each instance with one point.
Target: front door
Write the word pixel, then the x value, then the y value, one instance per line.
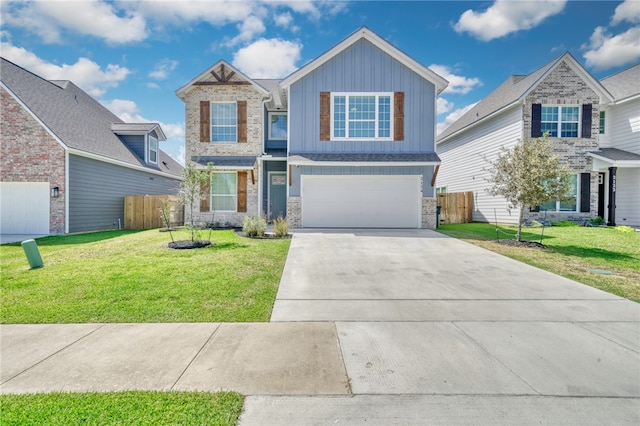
pixel 601 186
pixel 277 196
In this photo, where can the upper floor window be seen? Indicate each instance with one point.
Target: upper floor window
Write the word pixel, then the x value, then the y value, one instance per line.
pixel 277 125
pixel 224 122
pixel 152 149
pixel 361 116
pixel 560 121
pixel 602 121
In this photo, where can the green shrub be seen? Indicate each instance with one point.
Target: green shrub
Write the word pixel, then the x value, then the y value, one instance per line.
pixel 625 229
pixel 254 226
pixel 564 223
pixel 597 221
pixel 280 227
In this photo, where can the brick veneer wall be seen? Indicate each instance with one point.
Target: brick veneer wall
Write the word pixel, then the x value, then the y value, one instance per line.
pixel 429 213
pixel 30 154
pixel 294 212
pixel 564 87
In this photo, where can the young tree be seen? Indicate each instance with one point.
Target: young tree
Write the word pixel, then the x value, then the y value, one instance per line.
pixel 529 175
pixel 193 179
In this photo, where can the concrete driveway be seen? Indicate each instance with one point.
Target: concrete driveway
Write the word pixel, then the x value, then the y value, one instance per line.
pixel 435 330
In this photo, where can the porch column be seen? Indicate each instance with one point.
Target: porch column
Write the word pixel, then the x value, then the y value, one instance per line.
pixel 612 196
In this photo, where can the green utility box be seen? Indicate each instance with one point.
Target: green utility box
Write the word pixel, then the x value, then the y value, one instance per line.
pixel 33 254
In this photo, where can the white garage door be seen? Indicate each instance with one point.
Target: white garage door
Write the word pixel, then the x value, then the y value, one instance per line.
pixel 361 201
pixel 24 208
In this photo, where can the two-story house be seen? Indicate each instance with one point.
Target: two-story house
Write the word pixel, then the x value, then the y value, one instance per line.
pixel 590 125
pixel 345 141
pixel 67 161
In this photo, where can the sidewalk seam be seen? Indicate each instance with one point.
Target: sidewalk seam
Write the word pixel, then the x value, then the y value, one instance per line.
pixel 344 364
pixel 213 333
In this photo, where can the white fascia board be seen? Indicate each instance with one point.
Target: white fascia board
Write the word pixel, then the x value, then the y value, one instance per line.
pixel 121 163
pixel 362 163
pixel 35 117
pixel 614 163
pixel 365 33
pixel 161 136
pixel 182 91
pixel 627 99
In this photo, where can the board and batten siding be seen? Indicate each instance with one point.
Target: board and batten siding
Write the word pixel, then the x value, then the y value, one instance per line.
pixel 625 126
pixel 426 172
pixel 362 67
pixel 627 196
pixel 97 190
pixel 463 160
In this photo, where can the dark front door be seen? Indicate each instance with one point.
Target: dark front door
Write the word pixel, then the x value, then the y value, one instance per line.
pixel 277 195
pixel 601 189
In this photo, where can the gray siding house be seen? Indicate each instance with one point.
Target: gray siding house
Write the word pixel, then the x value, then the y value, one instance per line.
pixel 67 161
pixel 348 140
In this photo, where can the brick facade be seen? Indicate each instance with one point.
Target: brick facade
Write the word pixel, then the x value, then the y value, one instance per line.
pixel 563 86
pixel 429 213
pixel 30 154
pixel 294 212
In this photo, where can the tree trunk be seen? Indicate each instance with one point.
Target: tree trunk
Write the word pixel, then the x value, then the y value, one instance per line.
pixel 520 217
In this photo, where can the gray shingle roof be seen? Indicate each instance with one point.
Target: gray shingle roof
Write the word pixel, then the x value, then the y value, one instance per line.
pixel 623 84
pixel 278 96
pixel 616 154
pixel 229 161
pixel 431 157
pixel 133 127
pixel 77 119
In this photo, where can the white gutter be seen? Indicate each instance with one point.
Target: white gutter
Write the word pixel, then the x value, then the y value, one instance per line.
pixel 120 163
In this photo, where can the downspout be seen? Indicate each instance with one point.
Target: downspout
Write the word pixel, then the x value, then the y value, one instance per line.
pixel 264 152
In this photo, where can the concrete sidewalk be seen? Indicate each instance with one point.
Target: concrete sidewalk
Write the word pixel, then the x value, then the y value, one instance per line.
pixel 370 328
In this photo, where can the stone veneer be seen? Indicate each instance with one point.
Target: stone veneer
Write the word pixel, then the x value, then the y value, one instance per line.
pixel 429 213
pixel 30 154
pixel 294 212
pixel 564 87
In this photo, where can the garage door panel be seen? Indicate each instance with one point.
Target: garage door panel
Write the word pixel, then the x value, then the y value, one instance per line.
pixel 24 208
pixel 361 201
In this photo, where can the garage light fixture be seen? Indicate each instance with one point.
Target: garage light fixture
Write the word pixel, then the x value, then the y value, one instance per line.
pixel 55 191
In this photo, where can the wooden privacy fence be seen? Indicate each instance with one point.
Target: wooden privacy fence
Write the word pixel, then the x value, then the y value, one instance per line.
pixel 457 207
pixel 143 211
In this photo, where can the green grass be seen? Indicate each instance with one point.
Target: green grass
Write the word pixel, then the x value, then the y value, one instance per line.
pixel 122 408
pixel 129 276
pixel 573 252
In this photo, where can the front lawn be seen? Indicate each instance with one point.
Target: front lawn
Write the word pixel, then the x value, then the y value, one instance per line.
pixel 130 276
pixel 122 408
pixel 605 258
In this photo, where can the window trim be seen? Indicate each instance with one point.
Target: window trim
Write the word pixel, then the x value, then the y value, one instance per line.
pixel 577 197
pixel 148 149
pixel 211 125
pixel 212 195
pixel 271 114
pixel 559 122
pixel 377 95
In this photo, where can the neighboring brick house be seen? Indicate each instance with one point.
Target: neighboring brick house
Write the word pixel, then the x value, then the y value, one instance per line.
pixel 67 162
pixel 321 147
pixel 560 98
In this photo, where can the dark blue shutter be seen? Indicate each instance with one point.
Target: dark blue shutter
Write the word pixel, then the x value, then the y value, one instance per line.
pixel 586 120
pixel 585 192
pixel 536 118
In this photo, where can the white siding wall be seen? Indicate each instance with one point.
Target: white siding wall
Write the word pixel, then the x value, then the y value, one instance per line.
pixel 628 196
pixel 625 126
pixel 463 162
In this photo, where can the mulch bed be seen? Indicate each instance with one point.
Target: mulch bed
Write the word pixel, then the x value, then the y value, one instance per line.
pixel 188 244
pixel 267 236
pixel 524 243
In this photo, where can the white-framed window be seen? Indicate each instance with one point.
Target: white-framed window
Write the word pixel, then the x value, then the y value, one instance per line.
pixel 362 116
pixel 602 122
pixel 152 149
pixel 561 121
pixel 224 191
pixel 224 122
pixel 570 205
pixel 277 126
pixel 441 190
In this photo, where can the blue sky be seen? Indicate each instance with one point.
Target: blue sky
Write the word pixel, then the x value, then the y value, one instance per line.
pixel 133 55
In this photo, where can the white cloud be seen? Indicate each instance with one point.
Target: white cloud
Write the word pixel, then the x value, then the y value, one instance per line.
pixel 85 73
pixel 443 106
pixel 163 68
pixel 248 30
pixel 457 83
pixel 283 20
pixel 90 17
pixel 506 17
pixel 451 118
pixel 606 51
pixel 629 11
pixel 180 12
pixel 268 58
pixel 152 85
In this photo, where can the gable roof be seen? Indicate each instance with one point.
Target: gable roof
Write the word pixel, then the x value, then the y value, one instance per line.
pixel 211 74
pixel 623 84
pixel 77 120
pixel 365 33
pixel 278 98
pixel 514 90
